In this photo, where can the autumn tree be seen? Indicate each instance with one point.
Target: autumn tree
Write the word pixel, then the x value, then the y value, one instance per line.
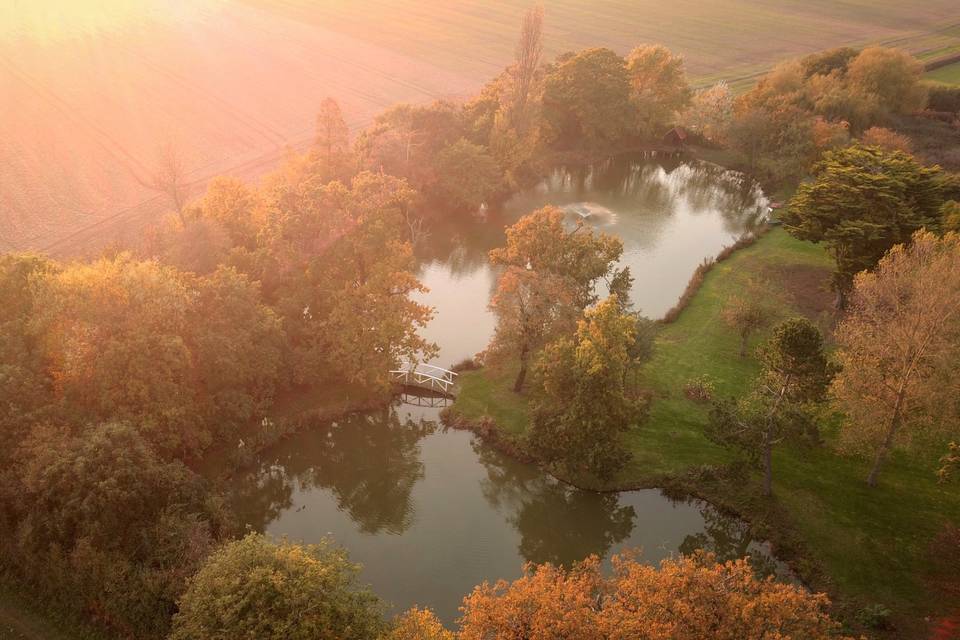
pixel 256 588
pixel 894 76
pixel 898 347
pixel 694 597
pixel 860 203
pixel 25 387
pixel 115 338
pixel 101 522
pixel 585 406
pixel 950 216
pixel 795 372
pixel 949 463
pixel 746 313
pixel 339 270
pixel 828 62
pixel 886 139
pixel 586 100
pixel 773 126
pixel 686 598
pixel 547 602
pixel 710 112
pixel 418 624
pixel 467 176
pixel 542 242
pixel 234 206
pixel 331 155
pixel 659 88
pixel 526 66
pixel 236 343
pixel 530 307
pixel 406 140
pixel 552 272
pixel 169 178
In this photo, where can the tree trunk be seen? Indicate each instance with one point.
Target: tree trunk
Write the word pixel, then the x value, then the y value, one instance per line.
pixel 522 374
pixel 768 440
pixel 887 441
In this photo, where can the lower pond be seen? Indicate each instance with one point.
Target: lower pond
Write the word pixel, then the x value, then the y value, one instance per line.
pixel 430 513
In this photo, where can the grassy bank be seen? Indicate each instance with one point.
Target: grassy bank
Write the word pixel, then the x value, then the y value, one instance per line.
pixel 863 546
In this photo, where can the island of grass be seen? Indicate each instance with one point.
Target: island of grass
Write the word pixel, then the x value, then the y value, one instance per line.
pixel 865 547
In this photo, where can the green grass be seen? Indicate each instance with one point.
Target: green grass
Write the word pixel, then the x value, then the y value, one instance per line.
pixel 863 545
pixel 488 393
pixel 949 74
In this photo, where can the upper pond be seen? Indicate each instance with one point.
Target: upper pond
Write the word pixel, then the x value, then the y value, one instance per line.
pixel 670 215
pixel 431 513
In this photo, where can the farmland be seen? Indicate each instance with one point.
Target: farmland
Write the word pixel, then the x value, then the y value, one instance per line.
pixel 949 74
pixel 86 99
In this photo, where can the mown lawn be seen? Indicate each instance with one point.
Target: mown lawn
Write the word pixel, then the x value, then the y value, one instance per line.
pixel 865 546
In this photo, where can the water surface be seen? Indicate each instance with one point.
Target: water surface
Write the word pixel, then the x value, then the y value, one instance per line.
pixel 670 215
pixel 430 513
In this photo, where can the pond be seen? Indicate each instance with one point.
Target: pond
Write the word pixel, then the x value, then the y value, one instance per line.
pixel 670 215
pixel 430 513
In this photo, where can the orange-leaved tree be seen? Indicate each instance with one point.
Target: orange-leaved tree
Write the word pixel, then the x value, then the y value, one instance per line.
pixel 686 598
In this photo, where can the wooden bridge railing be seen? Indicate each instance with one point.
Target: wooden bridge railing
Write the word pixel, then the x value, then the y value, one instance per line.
pixel 426 376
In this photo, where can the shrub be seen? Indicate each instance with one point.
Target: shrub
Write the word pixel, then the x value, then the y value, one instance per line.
pixel 700 389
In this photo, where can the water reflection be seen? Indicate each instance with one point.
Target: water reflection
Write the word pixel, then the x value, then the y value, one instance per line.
pixel 730 538
pixel 430 513
pixel 542 509
pixel 670 215
pixel 368 463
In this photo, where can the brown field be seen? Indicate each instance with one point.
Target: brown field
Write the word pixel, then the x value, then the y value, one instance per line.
pixel 90 90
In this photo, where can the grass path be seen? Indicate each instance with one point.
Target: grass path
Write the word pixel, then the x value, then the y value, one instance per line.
pixel 865 546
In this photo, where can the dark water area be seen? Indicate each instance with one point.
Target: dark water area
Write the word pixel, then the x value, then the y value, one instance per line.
pixel 430 513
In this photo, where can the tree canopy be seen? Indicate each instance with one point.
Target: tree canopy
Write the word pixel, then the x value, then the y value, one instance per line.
pixel 898 345
pixel 861 202
pixel 256 588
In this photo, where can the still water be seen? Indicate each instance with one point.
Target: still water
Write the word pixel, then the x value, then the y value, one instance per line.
pixel 431 513
pixel 670 216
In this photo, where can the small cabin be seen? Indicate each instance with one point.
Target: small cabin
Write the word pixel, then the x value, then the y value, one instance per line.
pixel 676 137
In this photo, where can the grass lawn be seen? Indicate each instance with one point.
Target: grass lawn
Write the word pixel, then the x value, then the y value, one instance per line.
pixel 949 74
pixel 863 545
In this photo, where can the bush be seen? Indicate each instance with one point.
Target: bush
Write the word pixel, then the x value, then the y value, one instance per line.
pixel 874 616
pixel 700 389
pixel 944 98
pixel 255 588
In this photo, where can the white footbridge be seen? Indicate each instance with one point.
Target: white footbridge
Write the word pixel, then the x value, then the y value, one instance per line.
pixel 426 376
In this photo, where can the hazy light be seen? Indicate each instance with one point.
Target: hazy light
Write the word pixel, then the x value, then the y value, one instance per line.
pixel 54 20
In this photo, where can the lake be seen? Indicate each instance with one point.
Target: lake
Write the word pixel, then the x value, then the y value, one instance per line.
pixel 429 512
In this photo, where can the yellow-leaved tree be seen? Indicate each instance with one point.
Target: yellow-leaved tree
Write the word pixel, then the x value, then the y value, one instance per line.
pixel 899 346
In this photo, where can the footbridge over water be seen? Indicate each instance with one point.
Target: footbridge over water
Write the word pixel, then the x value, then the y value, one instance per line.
pixel 426 376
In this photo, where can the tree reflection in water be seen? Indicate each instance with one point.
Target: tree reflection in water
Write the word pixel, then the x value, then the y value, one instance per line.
pixel 730 538
pixel 556 523
pixel 369 463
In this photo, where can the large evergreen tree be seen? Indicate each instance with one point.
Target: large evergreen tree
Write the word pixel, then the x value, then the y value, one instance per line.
pixel 860 203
